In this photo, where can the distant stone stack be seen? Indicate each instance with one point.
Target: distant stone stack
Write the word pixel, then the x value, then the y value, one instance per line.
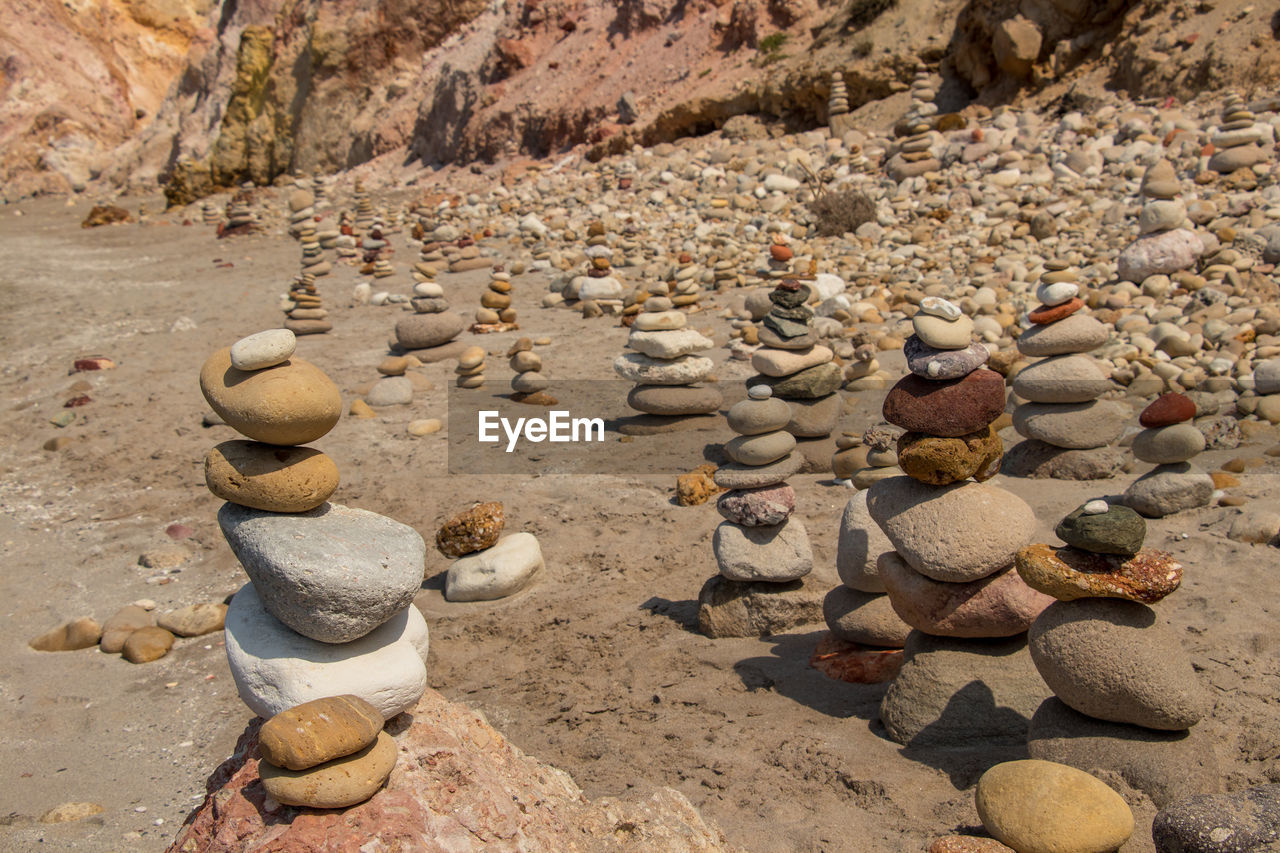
pixel 869 458
pixel 209 214
pixel 913 156
pixel 1169 441
pixel 302 211
pixel 240 219
pixel 321 192
pixel 382 268
pixel 598 284
pixel 529 385
pixel 487 565
pixel 495 313
pixel 430 258
pixel 1164 246
pixel 328 238
pixel 666 371
pixel 432 325
pixel 313 260
pixel 1118 672
pixel 781 257
pixel 759 548
pixel 794 365
pixel 346 245
pixel 1067 427
pixel 838 119
pixel 470 369
pixel 365 215
pixel 394 386
pixel 951 575
pixel 1236 141
pixel 305 313
pixel 329 607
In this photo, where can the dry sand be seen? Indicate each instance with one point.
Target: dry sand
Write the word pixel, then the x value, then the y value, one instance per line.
pixel 598 669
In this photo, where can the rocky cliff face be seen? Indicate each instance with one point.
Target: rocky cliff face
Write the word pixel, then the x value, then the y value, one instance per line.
pixel 275 86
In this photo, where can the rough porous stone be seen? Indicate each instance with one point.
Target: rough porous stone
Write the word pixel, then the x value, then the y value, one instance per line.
pixel 948 408
pixel 1115 660
pixel 640 368
pixel 728 608
pixel 669 344
pixel 1069 573
pixel 940 364
pixel 1164 253
pixel 1246 821
pixel 474 529
pixel 1167 489
pixel 332 574
pixel 275 668
pixel 942 461
pixel 954 533
pixel 756 507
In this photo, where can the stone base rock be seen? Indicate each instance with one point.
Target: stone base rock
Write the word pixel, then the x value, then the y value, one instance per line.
pixel 495 572
pixel 855 664
pixel 962 693
pixel 1165 765
pixel 1040 461
pixel 733 609
pixel 459 786
pixel 1167 489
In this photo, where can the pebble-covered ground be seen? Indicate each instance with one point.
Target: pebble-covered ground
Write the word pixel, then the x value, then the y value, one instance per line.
pixel 599 668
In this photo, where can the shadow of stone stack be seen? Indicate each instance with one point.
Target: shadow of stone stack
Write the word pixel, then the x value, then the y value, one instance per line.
pixel 762 553
pixel 329 607
pixel 794 365
pixel 668 376
pixel 1126 694
pixel 1068 429
pixel 965 678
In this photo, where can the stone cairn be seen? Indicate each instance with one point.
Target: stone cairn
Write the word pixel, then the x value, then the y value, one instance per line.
pixel 1164 246
pixel 1125 689
pixel 209 213
pixel 780 258
pixel 486 565
pixel 495 313
pixel 1169 441
pixel 599 285
pixel 529 385
pixel 666 372
pixel 1067 427
pixel 328 611
pixel 305 313
pixel 364 209
pixel 913 156
pixel 393 387
pixel 470 369
pixel 866 458
pixel 761 552
pixel 239 217
pixel 313 260
pixel 346 246
pixel 1236 141
pixel 838 106
pixel 302 211
pixel 432 326
pixel 950 575
pixel 793 364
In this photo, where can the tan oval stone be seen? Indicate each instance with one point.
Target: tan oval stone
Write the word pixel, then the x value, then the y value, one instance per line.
pixel 335 784
pixel 269 477
pixel 1042 807
pixel 318 731
pixel 147 644
pixel 760 449
pixel 291 403
pixel 471 357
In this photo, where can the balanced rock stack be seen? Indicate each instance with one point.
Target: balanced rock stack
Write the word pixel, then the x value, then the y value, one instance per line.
pixel 495 313
pixel 209 213
pixel 301 211
pixel 1126 691
pixel 838 106
pixel 329 607
pixel 1170 441
pixel 951 575
pixel 488 565
pixel 869 458
pixel 313 261
pixel 761 552
pixel 529 385
pixel 432 325
pixel 1164 246
pixel 470 369
pixel 1067 426
pixel 346 245
pixel 364 208
pixel 780 257
pixel 239 217
pixel 305 313
pixel 1236 141
pixel 913 156
pixel 394 386
pixel 599 285
pixel 328 753
pixel 794 365
pixel 666 372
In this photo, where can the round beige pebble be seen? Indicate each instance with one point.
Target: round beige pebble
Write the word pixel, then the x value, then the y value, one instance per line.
pixel 291 403
pixel 271 478
pixel 424 426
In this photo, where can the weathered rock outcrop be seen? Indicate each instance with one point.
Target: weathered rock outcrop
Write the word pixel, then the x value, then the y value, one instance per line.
pixel 458 785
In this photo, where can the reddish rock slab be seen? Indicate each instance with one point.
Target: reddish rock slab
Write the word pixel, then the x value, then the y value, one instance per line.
pixel 968 844
pixel 856 664
pixel 93 362
pixel 756 507
pixel 951 408
pixel 1046 314
pixel 1070 573
pixel 458 786
pixel 1167 410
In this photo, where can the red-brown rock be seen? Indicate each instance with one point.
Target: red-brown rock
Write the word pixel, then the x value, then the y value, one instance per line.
pixel 779 252
pixel 856 664
pixel 968 844
pixel 952 408
pixel 1046 314
pixel 1070 573
pixel 1166 410
pixel 999 605
pixel 459 786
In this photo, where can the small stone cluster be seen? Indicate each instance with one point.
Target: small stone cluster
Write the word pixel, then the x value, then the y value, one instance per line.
pixel 759 545
pixel 302 211
pixel 328 753
pixel 529 385
pixel 667 374
pixel 794 365
pixel 495 313
pixel 487 565
pixel 134 631
pixel 1169 441
pixel 914 156
pixel 305 313
pixel 329 606
pixel 1062 411
pixel 432 325
pixel 1164 246
pixel 1236 142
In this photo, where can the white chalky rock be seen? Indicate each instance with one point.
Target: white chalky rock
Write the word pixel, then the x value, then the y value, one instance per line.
pixel 936 306
pixel 265 349
pixel 1058 292
pixel 1096 507
pixel 495 572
